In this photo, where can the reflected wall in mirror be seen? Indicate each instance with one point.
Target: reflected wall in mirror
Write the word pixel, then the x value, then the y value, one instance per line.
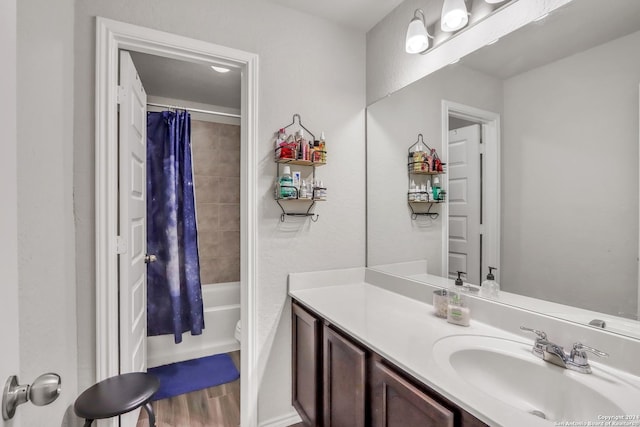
pixel 566 90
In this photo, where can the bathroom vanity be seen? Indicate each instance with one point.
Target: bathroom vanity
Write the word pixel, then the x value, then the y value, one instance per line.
pixel 368 350
pixel 340 381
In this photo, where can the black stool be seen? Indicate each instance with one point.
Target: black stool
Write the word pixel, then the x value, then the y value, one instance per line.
pixel 116 396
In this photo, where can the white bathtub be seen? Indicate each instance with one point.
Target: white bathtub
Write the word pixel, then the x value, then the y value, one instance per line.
pixel 221 313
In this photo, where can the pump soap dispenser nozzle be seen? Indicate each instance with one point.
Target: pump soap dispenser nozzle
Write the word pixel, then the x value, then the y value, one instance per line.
pixel 459 281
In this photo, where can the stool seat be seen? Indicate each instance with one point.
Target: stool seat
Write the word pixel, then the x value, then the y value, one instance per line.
pixel 116 396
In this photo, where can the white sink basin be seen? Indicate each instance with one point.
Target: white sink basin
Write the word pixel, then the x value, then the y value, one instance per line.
pixel 507 371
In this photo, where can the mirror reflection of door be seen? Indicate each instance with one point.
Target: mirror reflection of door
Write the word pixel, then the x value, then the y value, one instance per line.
pixel 464 200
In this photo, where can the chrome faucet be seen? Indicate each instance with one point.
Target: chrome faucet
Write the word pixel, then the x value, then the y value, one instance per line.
pixel 553 353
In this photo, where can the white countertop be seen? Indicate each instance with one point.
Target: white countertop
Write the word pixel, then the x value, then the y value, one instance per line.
pixel 404 331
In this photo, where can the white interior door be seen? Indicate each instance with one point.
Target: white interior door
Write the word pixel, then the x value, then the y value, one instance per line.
pixel 133 228
pixel 464 202
pixel 9 351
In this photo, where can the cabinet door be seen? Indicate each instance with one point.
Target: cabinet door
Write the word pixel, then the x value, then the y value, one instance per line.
pixel 305 360
pixel 397 403
pixel 344 368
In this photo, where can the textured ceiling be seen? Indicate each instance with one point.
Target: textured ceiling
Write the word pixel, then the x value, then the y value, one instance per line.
pixel 171 78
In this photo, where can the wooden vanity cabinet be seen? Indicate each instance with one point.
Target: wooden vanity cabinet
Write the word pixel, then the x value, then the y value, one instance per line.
pixel 344 387
pixel 306 363
pixel 340 383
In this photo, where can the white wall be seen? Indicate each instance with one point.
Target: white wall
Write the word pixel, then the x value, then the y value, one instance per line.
pixel 390 68
pixel 393 124
pixel 570 179
pixel 46 242
pixel 308 66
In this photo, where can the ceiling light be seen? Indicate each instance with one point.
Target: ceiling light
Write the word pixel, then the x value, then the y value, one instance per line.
pixel 454 15
pixel 494 1
pixel 220 69
pixel 493 42
pixel 417 40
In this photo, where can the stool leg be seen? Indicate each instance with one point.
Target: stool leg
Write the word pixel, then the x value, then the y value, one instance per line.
pixel 152 416
pixel 87 423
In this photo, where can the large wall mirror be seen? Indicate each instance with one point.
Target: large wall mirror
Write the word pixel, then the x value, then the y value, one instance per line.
pixel 540 134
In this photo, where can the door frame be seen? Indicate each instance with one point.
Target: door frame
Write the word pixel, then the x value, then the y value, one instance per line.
pixel 111 36
pixel 490 134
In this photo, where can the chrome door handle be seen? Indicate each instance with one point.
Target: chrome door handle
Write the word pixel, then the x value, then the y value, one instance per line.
pixel 150 258
pixel 44 390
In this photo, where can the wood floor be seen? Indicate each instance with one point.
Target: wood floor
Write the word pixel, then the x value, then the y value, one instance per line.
pixel 212 407
pixel 217 406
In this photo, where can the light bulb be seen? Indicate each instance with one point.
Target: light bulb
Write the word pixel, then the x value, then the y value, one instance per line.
pixel 454 15
pixel 417 40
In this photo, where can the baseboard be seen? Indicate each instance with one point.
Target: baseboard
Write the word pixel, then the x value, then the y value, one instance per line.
pixel 283 421
pixel 218 348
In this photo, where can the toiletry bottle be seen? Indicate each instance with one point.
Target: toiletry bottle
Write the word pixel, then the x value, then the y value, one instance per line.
pixel 412 191
pixel 323 148
pixel 436 188
pixel 288 150
pixel 458 311
pixel 322 191
pixel 303 190
pixel 490 288
pixel 287 190
pixel 418 159
pixel 429 191
pixel 303 146
pixel 280 141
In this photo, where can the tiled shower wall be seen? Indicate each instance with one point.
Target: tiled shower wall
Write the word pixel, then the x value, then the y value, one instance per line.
pixel 216 169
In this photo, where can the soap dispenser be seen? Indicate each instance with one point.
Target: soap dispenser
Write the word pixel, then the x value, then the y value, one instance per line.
pixel 458 311
pixel 490 288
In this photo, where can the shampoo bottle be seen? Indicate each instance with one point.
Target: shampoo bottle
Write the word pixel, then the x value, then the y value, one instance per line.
pixel 490 288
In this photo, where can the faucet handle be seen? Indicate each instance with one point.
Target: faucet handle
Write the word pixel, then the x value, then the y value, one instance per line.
pixel 581 348
pixel 578 358
pixel 541 334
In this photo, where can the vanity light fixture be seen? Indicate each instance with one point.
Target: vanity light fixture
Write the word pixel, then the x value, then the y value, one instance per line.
pixel 417 40
pixel 454 15
pixel 220 69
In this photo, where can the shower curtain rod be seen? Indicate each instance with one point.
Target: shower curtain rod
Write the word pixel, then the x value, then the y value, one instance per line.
pixel 195 110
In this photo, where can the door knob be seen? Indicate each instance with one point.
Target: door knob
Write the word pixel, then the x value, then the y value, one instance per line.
pixel 44 390
pixel 150 258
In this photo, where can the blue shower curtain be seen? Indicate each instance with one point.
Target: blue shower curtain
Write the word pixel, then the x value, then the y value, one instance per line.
pixel 174 292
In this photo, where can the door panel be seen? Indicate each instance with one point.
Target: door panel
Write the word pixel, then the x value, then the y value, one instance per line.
pixel 306 376
pixel 464 202
pixel 133 227
pixel 344 368
pixel 9 362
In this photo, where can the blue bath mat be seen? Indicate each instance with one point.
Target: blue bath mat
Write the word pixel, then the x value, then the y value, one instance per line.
pixel 191 375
